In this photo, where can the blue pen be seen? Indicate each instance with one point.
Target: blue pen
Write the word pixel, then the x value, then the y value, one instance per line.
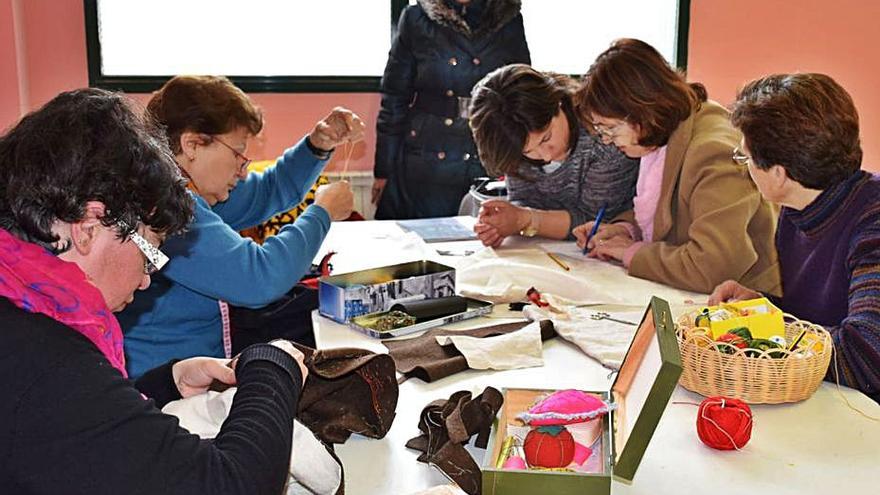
pixel 595 228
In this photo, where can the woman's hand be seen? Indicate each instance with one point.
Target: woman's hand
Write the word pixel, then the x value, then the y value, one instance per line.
pixel 609 249
pixel 499 219
pixel 296 354
pixel 378 189
pixel 731 290
pixel 342 125
pixel 337 198
pixel 605 233
pixel 193 376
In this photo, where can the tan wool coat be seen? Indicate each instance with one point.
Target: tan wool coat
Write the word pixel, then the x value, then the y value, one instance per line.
pixel 711 222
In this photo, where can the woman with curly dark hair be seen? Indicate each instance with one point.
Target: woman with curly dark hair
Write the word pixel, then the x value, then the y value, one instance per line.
pixel 88 191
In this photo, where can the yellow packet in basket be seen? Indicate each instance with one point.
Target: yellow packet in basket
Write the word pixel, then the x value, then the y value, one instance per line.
pixel 760 316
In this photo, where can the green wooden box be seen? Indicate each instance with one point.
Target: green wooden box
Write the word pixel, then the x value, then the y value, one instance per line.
pixel 641 391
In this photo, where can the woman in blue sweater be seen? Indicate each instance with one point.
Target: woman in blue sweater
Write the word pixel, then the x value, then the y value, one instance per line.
pixel 208 121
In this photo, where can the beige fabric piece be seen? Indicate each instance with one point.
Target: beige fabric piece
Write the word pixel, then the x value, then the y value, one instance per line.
pixel 603 340
pixel 312 470
pixel 504 275
pixel 520 349
pixel 442 490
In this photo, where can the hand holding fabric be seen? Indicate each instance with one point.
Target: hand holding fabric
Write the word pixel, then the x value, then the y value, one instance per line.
pixel 296 354
pixel 194 376
pixel 340 126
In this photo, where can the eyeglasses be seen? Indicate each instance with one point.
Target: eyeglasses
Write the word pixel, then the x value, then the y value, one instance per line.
pixel 605 131
pixel 741 158
pixel 245 160
pixel 154 258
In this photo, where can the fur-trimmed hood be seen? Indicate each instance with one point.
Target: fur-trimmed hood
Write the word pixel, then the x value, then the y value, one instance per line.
pixel 497 14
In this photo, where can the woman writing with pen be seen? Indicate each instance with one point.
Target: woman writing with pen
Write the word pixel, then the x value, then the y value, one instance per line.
pixel 697 218
pixel 558 175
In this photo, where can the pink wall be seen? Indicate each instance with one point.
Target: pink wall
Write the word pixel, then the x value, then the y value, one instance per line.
pixel 10 100
pixel 731 41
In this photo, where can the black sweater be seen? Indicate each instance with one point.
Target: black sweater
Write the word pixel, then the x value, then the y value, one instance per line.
pixel 70 423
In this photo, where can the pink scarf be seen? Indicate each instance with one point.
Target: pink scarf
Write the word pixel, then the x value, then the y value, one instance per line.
pixel 37 281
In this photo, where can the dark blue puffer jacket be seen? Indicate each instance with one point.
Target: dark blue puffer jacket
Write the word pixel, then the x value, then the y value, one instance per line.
pixel 424 145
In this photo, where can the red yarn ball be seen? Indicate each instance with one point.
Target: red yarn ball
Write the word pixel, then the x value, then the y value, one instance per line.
pixel 549 446
pixel 724 423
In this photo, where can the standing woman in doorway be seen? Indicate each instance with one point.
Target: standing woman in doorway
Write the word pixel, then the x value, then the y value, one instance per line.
pixel 425 155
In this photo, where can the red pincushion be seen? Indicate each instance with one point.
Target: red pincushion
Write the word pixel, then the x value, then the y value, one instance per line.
pixel 549 446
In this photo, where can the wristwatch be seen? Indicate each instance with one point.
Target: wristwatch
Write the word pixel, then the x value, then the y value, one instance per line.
pixel 531 229
pixel 320 154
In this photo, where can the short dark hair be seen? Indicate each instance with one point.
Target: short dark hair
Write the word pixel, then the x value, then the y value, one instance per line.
pixel 205 104
pixel 632 81
pixel 511 102
pixel 807 123
pixel 88 145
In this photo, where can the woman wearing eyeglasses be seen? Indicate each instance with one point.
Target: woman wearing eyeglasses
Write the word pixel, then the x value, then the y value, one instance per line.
pixel 558 175
pixel 801 147
pixel 89 190
pixel 208 122
pixel 697 218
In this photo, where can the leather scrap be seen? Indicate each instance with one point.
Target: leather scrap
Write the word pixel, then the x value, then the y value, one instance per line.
pixel 423 358
pixel 447 426
pixel 348 391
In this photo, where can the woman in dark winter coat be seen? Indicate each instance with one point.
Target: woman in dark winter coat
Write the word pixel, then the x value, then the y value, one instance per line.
pixel 425 155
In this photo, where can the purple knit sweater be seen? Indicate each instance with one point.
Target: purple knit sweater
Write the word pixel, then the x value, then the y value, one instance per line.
pixel 829 254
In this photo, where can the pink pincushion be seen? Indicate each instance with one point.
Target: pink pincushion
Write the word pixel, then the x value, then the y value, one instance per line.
pixel 565 407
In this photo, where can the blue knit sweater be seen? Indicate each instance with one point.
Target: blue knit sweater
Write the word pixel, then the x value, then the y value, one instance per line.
pixel 178 316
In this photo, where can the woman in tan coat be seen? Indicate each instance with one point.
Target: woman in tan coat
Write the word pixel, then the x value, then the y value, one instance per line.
pixel 697 218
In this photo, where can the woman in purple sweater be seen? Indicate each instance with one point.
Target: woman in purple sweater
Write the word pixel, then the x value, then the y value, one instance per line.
pixel 801 146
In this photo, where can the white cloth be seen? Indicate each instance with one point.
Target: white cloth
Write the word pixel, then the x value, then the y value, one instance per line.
pixel 520 349
pixel 603 340
pixel 442 490
pixel 504 275
pixel 313 471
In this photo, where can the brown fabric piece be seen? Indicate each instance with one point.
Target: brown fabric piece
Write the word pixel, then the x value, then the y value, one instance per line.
pixel 422 357
pixel 348 391
pixel 448 425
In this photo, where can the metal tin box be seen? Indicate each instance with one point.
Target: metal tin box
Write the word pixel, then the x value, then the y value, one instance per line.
pixel 362 323
pixel 342 297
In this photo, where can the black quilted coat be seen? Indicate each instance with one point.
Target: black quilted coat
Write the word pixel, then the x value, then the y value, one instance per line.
pixel 424 146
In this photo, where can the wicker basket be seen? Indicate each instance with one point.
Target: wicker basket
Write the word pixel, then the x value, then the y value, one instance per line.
pixel 760 379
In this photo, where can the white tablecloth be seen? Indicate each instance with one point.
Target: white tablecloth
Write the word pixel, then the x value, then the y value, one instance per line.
pixel 816 446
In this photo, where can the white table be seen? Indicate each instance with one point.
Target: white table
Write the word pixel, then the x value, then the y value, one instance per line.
pixel 816 446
